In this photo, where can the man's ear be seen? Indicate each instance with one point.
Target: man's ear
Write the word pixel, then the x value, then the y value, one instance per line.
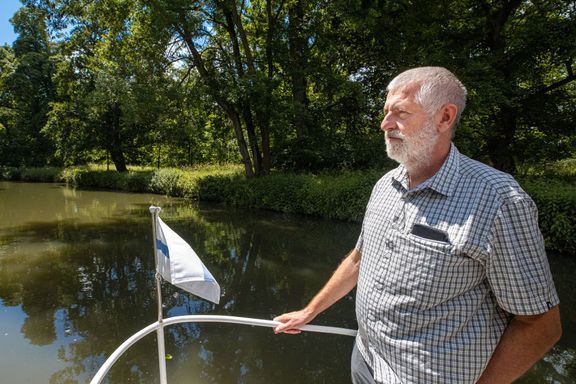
pixel 446 117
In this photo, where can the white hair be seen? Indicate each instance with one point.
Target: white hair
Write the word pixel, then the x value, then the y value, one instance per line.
pixel 437 87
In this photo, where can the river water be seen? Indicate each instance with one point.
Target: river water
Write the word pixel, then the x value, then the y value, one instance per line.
pixel 77 279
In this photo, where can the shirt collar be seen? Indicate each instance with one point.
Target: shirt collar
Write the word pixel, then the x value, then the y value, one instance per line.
pixel 443 182
pixel 400 176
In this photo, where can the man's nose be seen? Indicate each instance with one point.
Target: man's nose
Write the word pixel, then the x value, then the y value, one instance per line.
pixel 387 123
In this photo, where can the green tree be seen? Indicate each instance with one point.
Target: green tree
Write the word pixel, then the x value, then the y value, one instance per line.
pixel 299 84
pixel 519 59
pixel 7 108
pixel 113 84
pixel 220 43
pixel 27 90
pixel 516 58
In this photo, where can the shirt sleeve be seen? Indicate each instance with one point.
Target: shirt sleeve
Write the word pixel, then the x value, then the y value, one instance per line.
pixel 359 242
pixel 517 267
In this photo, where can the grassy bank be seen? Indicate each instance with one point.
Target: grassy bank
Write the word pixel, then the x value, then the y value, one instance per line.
pixel 341 195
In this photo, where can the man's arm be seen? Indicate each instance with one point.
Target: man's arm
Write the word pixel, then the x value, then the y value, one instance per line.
pixel 524 342
pixel 342 281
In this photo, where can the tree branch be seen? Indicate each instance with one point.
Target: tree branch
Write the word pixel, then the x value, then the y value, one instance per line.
pixel 185 76
pixel 243 38
pixel 568 79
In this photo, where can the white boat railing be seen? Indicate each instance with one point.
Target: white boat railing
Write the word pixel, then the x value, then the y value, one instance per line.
pixel 99 376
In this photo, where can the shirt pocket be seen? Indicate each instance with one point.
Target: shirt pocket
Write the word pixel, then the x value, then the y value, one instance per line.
pixel 431 272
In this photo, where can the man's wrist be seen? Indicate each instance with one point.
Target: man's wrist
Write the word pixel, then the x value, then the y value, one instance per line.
pixel 310 311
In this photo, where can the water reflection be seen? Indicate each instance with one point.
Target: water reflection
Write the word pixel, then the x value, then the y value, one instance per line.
pixel 76 280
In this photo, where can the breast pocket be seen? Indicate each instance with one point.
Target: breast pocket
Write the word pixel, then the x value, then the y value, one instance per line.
pixel 430 271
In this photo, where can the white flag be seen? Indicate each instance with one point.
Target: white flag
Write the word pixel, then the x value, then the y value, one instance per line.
pixel 179 265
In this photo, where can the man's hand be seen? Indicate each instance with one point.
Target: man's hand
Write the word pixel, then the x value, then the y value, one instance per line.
pixel 342 281
pixel 293 321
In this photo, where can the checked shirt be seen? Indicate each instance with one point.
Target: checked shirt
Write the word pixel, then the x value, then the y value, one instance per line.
pixel 444 266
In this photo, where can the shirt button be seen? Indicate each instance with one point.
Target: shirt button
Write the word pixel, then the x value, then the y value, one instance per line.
pixel 390 244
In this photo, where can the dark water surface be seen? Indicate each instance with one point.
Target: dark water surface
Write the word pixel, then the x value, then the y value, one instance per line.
pixel 77 279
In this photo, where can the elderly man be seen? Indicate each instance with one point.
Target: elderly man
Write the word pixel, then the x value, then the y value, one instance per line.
pixel 453 283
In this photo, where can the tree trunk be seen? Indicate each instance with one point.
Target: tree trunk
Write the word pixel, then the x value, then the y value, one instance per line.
pixel 112 121
pixel 243 148
pixel 221 101
pixel 235 31
pixel 298 61
pixel 253 140
pixel 501 139
pixel 264 119
pixel 118 159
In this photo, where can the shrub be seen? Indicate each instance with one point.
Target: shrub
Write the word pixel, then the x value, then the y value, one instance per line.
pixel 85 177
pixel 561 170
pixel 276 192
pixel 10 173
pixel 138 181
pixel 187 185
pixel 45 174
pixel 216 188
pixel 333 196
pixel 343 196
pixel 165 181
pixel 556 201
pixel 73 175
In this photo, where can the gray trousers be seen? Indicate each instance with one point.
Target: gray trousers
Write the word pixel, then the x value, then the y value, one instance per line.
pixel 361 372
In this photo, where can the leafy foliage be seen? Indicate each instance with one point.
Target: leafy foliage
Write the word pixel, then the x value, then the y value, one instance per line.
pixel 556 203
pixel 292 86
pixel 563 170
pixel 43 174
pixel 26 90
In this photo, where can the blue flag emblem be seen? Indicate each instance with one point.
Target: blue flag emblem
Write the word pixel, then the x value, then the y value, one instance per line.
pixel 162 247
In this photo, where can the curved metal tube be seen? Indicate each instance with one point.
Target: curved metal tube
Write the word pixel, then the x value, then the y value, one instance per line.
pixel 203 319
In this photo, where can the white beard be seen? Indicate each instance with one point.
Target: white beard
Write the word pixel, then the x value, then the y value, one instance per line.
pixel 415 151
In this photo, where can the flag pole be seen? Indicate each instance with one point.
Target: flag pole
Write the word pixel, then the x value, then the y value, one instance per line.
pixel 154 211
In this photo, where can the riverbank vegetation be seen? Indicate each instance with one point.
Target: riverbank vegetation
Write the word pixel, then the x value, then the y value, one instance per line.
pixel 338 195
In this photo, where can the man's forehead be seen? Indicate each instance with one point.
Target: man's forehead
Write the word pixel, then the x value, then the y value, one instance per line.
pixel 405 91
pixel 401 95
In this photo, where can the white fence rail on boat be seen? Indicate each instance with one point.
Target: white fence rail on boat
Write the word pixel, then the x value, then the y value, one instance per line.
pixel 203 319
